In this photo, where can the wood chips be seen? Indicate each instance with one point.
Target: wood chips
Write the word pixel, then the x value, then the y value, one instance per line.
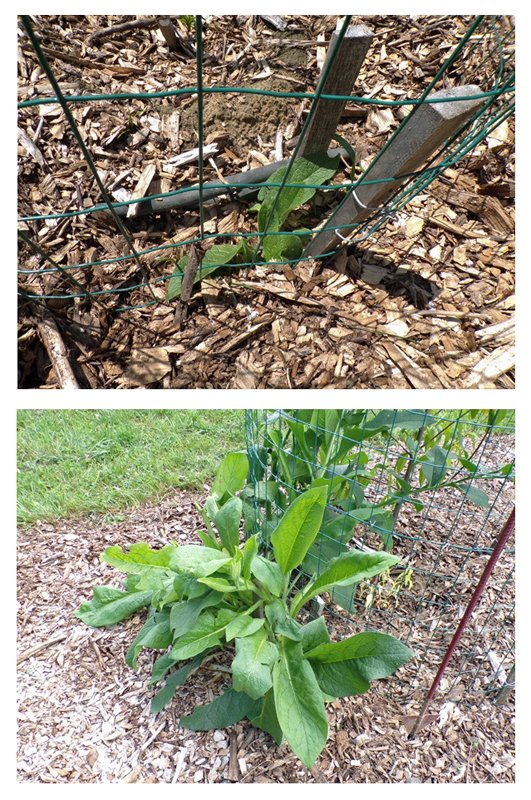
pixel 426 302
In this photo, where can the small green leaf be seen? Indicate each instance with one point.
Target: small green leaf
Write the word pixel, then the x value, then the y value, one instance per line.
pixel 250 549
pixel 283 625
pixel 314 633
pixel 269 574
pixel 227 522
pixel 282 247
pixel 243 626
pixel 231 475
pixel 109 606
pixel 219 255
pixel 225 710
pixel 208 632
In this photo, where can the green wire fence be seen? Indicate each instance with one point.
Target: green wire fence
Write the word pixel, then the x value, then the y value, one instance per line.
pixel 484 57
pixel 433 487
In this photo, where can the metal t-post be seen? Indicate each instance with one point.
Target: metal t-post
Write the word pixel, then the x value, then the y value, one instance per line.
pixel 505 535
pixel 344 70
pixel 426 129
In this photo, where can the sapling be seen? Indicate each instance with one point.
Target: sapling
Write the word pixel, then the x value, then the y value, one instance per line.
pixel 273 210
pixel 230 596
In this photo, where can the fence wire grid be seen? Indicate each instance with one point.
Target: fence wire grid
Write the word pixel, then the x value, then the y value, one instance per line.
pixel 484 56
pixel 433 487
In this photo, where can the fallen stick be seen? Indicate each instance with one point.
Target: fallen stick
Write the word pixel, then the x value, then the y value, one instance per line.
pixel 32 651
pixel 56 349
pixel 143 22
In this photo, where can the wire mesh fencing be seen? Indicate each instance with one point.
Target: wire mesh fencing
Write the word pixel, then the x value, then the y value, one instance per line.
pixel 433 487
pixel 469 94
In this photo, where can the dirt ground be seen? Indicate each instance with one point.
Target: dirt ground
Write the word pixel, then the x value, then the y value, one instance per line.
pixel 83 715
pixel 426 302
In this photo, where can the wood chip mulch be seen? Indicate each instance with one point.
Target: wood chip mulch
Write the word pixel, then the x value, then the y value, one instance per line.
pixel 83 715
pixel 427 302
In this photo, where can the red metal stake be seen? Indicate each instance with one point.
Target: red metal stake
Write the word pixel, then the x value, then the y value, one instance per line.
pixel 503 538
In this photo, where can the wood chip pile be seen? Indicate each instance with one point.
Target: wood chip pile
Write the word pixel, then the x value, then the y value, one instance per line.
pixel 427 302
pixel 83 715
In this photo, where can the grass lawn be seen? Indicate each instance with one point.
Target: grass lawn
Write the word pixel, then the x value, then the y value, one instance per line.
pixel 83 461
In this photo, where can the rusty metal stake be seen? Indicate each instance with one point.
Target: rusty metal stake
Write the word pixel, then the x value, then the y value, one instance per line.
pixel 503 538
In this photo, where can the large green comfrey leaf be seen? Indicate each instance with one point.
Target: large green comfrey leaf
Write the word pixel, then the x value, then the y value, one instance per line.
pixel 109 606
pixel 298 528
pixel 342 571
pixel 225 710
pixel 299 703
pixel 184 615
pixel 140 558
pixel 198 561
pixel 251 669
pixel 268 573
pixel 375 655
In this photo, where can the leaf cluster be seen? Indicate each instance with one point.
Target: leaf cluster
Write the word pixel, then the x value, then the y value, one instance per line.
pixel 225 595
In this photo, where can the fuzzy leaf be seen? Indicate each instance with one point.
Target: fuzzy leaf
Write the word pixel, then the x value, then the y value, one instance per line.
pixel 299 703
pixel 197 561
pixel 177 678
pixel 231 475
pixel 225 710
pixel 251 668
pixel 109 606
pixel 298 528
pixel 208 632
pixel 344 570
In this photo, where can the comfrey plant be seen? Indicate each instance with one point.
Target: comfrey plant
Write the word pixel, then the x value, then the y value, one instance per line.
pixel 223 595
pixel 277 245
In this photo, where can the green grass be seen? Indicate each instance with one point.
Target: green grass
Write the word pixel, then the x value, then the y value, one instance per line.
pixel 73 462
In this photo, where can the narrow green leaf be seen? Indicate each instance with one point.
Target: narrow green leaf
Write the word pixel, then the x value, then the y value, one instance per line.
pixel 344 570
pixel 299 703
pixel 176 679
pixel 434 469
pixel 219 255
pixel 155 633
pixel 298 528
pixel 251 668
pixel 225 710
pixel 185 614
pixel 109 606
pixel 250 549
pixel 140 558
pixel 475 495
